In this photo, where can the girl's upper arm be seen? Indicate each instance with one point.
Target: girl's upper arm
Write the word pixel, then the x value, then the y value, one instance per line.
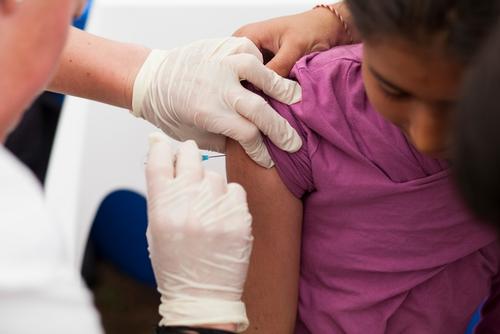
pixel 271 290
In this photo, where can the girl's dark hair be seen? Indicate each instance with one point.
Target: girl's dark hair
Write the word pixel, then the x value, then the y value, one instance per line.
pixel 477 133
pixel 464 24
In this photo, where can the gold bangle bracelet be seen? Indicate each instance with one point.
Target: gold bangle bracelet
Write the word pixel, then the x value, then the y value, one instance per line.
pixel 340 18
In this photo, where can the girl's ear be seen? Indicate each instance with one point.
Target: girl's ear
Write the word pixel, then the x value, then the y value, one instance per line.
pixel 9 6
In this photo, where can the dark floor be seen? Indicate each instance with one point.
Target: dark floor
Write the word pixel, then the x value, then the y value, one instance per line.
pixel 126 306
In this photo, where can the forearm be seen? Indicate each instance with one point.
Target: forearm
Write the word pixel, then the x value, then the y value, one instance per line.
pixel 98 69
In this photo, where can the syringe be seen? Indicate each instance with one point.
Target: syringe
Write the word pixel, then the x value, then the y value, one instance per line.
pixel 205 157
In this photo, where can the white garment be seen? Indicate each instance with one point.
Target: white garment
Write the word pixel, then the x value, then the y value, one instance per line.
pixel 40 291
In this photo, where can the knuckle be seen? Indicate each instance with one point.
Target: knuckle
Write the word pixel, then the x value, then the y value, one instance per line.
pixel 248 62
pixel 239 32
pixel 259 105
pixel 243 30
pixel 276 84
pixel 320 46
pixel 300 43
pixel 250 133
pixel 245 40
pixel 234 94
pixel 153 169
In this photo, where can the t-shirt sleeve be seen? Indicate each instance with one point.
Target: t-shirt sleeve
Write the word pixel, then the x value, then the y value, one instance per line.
pixel 293 168
pixel 321 76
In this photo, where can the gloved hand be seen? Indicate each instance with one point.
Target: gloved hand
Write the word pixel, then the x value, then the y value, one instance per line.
pixel 194 92
pixel 199 237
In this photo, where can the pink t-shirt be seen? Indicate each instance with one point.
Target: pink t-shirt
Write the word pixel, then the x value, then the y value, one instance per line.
pixel 387 246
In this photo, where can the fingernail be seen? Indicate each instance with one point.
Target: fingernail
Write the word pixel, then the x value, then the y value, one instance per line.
pixel 267 164
pixel 189 144
pixel 265 160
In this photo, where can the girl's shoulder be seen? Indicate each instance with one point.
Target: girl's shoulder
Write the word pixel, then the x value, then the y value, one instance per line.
pixel 333 94
pixel 335 112
pixel 331 77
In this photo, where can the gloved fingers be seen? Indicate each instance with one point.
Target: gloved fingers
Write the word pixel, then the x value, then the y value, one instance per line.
pixel 217 49
pixel 257 151
pixel 217 183
pixel 235 205
pixel 211 141
pixel 246 46
pixel 247 134
pixel 204 206
pixel 260 113
pixel 160 163
pixel 237 198
pixel 189 161
pixel 285 58
pixel 250 68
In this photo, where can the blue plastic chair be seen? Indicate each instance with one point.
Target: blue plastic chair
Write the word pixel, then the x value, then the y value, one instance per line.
pixel 119 234
pixel 82 20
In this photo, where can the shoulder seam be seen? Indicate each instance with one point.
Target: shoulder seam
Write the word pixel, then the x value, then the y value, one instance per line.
pixel 350 60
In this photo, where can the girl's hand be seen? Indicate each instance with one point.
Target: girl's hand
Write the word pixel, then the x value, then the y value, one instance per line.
pixel 289 38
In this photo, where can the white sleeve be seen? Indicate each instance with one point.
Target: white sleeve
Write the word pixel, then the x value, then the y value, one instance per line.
pixel 40 291
pixel 59 305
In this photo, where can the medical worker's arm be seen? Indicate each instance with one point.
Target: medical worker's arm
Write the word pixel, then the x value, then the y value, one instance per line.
pixel 271 291
pixel 191 92
pixel 98 69
pixel 289 38
pixel 199 237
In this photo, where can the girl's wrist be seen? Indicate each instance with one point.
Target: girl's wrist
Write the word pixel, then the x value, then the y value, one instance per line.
pixel 342 33
pixel 344 12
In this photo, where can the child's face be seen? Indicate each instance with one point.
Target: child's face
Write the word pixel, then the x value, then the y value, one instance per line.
pixel 413 88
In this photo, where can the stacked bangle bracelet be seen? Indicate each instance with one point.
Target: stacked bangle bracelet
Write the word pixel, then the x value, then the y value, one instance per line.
pixel 340 18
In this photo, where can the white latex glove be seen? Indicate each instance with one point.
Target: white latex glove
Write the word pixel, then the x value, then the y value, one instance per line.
pixel 199 237
pixel 194 92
